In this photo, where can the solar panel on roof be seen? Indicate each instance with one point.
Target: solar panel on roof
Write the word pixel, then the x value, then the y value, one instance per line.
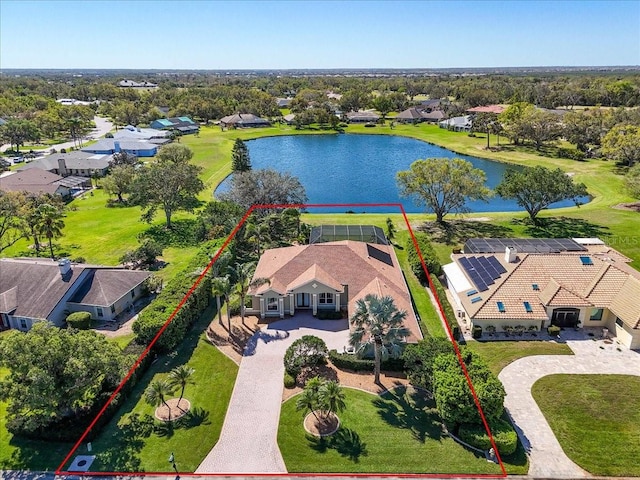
pixel 496 264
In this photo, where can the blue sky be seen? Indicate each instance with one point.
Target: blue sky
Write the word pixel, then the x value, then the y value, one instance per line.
pixel 316 34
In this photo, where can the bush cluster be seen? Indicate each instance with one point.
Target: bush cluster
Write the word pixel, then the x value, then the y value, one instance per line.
pixel 289 381
pixel 553 330
pixel 79 320
pixel 477 332
pixel 428 254
pixel 346 361
pixel 449 314
pixel 153 317
pixel 305 352
pixel 329 315
pixel 504 436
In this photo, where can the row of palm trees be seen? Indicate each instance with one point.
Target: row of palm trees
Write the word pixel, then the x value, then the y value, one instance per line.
pixel 158 391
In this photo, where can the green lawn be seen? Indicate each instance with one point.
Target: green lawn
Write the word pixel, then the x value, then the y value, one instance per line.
pixel 122 340
pixel 596 420
pixel 121 448
pixel 395 433
pixel 500 354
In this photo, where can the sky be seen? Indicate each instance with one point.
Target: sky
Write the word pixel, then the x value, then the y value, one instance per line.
pixel 304 34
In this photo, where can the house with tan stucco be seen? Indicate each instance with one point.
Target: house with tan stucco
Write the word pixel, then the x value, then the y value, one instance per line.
pixel 535 283
pixel 329 276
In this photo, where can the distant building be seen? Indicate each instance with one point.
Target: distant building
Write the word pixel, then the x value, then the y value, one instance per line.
pixel 457 124
pixel 184 125
pixel 419 115
pixel 362 117
pixel 37 181
pixel 109 146
pixel 132 84
pixel 283 102
pixel 82 164
pixel 243 120
pixel 497 109
pixel 289 119
pixel 151 135
pixel 71 101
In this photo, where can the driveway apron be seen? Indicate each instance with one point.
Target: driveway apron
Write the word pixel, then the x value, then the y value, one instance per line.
pixel 546 457
pixel 248 441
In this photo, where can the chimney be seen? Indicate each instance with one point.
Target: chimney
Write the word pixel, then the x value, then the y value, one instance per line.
pixel 116 147
pixel 65 267
pixel 510 254
pixel 62 167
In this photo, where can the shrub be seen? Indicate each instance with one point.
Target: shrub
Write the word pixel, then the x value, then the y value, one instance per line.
pixel 477 332
pixel 490 329
pixel 346 361
pixel 449 314
pixel 503 433
pixel 553 330
pixel 571 153
pixel 307 351
pixel 289 381
pixel 79 320
pixel 428 255
pixel 329 315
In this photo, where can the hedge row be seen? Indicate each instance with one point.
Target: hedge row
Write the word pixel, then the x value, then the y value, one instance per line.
pixel 428 254
pixel 346 361
pixel 504 436
pixel 449 314
pixel 153 317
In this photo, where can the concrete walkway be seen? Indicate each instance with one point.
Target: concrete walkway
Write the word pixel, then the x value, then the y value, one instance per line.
pixel 248 442
pixel 546 457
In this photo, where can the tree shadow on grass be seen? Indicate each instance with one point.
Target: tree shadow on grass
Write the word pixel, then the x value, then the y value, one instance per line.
pixel 122 453
pixel 459 231
pixel 194 418
pixel 563 227
pixel 412 410
pixel 345 441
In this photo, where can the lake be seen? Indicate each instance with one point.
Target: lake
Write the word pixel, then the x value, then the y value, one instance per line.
pixel 361 169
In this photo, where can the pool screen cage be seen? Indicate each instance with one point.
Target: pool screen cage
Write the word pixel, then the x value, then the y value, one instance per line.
pixel 360 233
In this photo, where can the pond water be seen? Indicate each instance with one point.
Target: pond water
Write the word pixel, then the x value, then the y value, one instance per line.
pixel 361 169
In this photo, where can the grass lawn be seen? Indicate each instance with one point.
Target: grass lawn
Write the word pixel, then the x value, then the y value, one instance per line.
pixel 500 354
pixel 121 448
pixel 123 340
pixel 595 418
pixel 395 433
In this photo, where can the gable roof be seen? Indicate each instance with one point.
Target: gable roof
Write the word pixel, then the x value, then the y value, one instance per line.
pixel 497 109
pixel 33 180
pixel 241 119
pixel 76 160
pixel 104 286
pixel 337 264
pixel 109 145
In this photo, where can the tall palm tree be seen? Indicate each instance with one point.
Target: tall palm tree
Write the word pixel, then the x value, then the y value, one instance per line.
pixel 156 393
pixel 307 401
pixel 377 322
pixel 221 288
pixel 50 223
pixel 181 377
pixel 331 398
pixel 242 274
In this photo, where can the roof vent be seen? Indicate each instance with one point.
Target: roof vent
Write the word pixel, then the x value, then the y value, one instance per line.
pixel 65 267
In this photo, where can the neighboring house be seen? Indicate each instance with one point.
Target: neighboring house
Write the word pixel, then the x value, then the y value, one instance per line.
pixel 150 135
pixel 2 121
pixel 109 146
pixel 71 101
pixel 362 117
pixel 283 102
pixel 33 290
pixel 132 84
pixel 243 120
pixel 457 124
pixel 184 125
pixel 82 164
pixel 334 96
pixel 37 181
pixel 418 115
pixel 289 118
pixel 329 276
pixel 541 282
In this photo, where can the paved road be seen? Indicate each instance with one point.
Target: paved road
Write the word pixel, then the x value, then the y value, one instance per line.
pixel 248 442
pixel 103 126
pixel 546 457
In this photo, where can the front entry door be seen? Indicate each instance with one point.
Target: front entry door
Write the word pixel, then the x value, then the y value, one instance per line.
pixel 303 300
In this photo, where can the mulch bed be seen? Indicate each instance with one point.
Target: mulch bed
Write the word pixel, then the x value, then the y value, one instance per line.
pixel 321 426
pixel 175 410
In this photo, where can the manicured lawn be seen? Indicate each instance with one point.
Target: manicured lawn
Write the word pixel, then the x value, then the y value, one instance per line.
pixel 395 433
pixel 121 448
pixel 123 340
pixel 500 354
pixel 595 418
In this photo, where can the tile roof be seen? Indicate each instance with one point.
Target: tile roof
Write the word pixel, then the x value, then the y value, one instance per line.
pixel 562 280
pixel 336 264
pixel 487 109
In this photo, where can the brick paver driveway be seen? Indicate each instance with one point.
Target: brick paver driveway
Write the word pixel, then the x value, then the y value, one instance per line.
pixel 546 457
pixel 248 442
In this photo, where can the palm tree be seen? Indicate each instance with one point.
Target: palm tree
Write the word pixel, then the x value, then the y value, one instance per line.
pixel 181 377
pixel 378 322
pixel 331 398
pixel 221 288
pixel 156 392
pixel 307 401
pixel 243 273
pixel 50 223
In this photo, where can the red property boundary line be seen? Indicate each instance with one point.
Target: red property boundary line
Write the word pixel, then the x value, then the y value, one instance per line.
pixel 60 471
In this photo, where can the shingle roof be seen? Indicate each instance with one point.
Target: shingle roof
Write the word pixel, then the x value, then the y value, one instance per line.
pixel 243 119
pixel 108 144
pixel 33 180
pixel 339 263
pixel 105 286
pixel 76 160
